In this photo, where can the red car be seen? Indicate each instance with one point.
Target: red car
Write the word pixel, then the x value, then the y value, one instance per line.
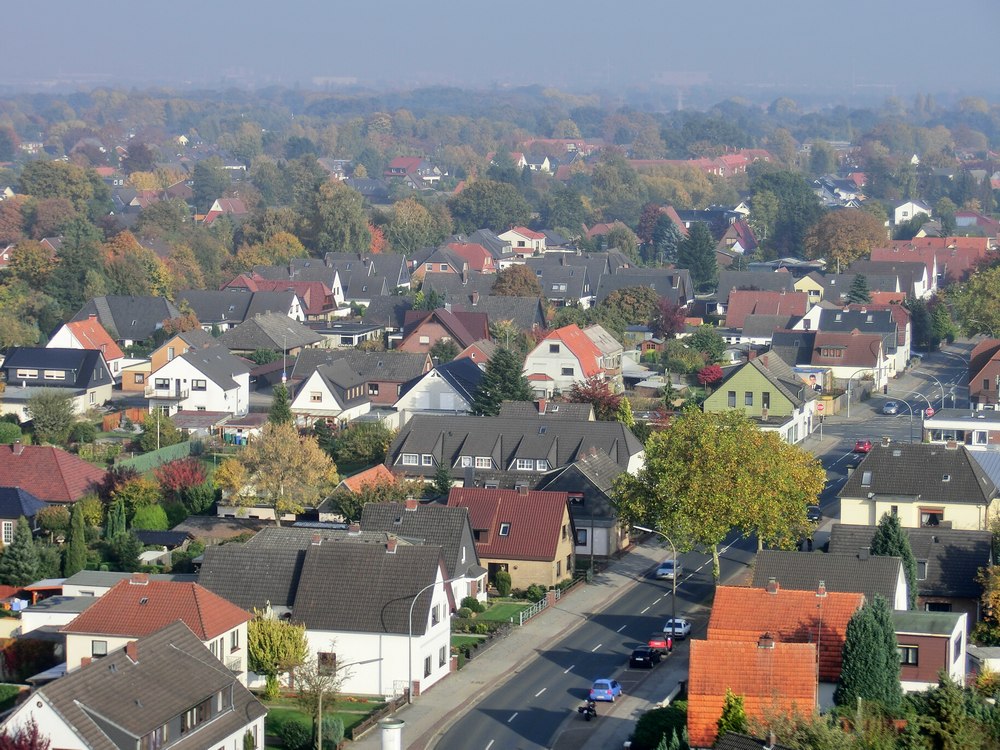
pixel 862 446
pixel 660 642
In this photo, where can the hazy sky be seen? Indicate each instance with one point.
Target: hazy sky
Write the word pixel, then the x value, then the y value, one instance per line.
pixel 920 45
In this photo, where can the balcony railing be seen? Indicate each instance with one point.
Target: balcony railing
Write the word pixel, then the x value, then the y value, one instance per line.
pixel 166 394
pixel 234 666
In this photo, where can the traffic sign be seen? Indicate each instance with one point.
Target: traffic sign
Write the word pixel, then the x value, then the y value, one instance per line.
pixel 820 407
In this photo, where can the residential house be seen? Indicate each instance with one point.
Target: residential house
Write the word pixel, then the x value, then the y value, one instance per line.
pixel 905 212
pixel 760 281
pixel 356 483
pixel 82 374
pixel 564 284
pixel 910 252
pixel 885 288
pixel 424 328
pixel 812 286
pixel 570 355
pixel 274 332
pixel 505 451
pixel 397 633
pixel 529 534
pixel 759 302
pixel 739 238
pixel 334 391
pixel 15 503
pixel 852 572
pixel 948 563
pixel 439 260
pixel 924 485
pixel 768 674
pixel 527 313
pixel 136 377
pixel 436 525
pixel 95 583
pixel 984 373
pixel 226 308
pixel 480 352
pixel 161 690
pixel 347 335
pixel 673 284
pixel 524 242
pixel 416 171
pixel 977 430
pixel 892 322
pixel 477 257
pixel 930 643
pixel 458 288
pixel 89 334
pixel 51 614
pixel 852 356
pixel 318 301
pixel 547 411
pixel 769 392
pixel 137 607
pixel 913 276
pixel 385 373
pixel 129 319
pixel 449 388
pixel 234 208
pixel 209 379
pixel 50 474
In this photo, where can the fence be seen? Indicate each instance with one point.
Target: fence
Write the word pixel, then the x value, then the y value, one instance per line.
pixel 114 421
pixel 391 707
pixel 151 460
pixel 526 614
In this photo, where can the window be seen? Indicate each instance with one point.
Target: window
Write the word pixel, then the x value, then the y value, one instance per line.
pixel 27 374
pixel 484 462
pixel 234 640
pixel 921 570
pixel 956 647
pixel 567 371
pixel 505 529
pixel 8 532
pixel 525 464
pixel 195 716
pixel 427 667
pixel 92 397
pixel 731 399
pixel 748 398
pixel 55 375
pixel 564 530
pixel 894 509
pixel 908 655
pixel 326 662
pixel 442 656
pixel 373 389
pixel 541 465
pixel 866 479
pixel 425 339
pixel 409 459
pixel 170 353
pixel 161 383
pixel 98 649
pixel 140 378
pixel 979 437
pixel 426 459
pixel 199 385
pixel 155 739
pixel 315 397
pixel 435 614
pixel 765 400
pixel 576 499
pixel 553 348
pixel 466 461
pixel 558 568
pixel 931 516
pixel 430 266
pixel 986 384
pixel 937 607
pixel 581 537
pixel 444 266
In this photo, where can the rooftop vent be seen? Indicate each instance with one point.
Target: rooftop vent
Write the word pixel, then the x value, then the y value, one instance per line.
pixel 772 585
pixel 766 641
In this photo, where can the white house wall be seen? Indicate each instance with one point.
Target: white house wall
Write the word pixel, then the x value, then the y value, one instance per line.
pixel 214 398
pixel 542 362
pixel 432 394
pixel 58 733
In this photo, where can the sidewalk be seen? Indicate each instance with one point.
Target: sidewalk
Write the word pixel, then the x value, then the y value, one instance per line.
pixel 434 712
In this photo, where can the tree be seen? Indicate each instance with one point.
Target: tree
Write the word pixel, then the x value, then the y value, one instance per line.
pixel 890 540
pixel 503 380
pixel 150 518
pixel 668 318
pixel 710 375
pixel 978 303
pixel 411 227
pixel 57 179
pixel 158 431
pixel 115 525
pixel 318 682
pixel 274 647
pixel 350 504
pixel 870 669
pixel 19 564
pixel 486 204
pixel 358 444
pixel 52 413
pixel 636 305
pixel 563 207
pixel 442 481
pixel 697 254
pixel 281 408
pixel 859 293
pixel 336 221
pixel 844 236
pixel 987 630
pixel 597 392
pixel 516 281
pixel 624 239
pixel 624 413
pixel 211 181
pixel 444 350
pixel 79 274
pixel 707 340
pixel 665 241
pixel 734 715
pixel 76 551
pixel 26 738
pixel 786 212
pixel 281 469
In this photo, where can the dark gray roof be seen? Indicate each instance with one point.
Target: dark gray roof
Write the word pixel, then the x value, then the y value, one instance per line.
pixel 794 347
pixel 234 305
pixel 836 286
pixel 128 317
pixel 16 502
pixel 197 338
pixel 217 364
pixel 526 313
pixel 673 284
pixel 249 576
pixel 909 273
pixel 275 331
pixel 496 246
pixel 926 623
pixel 837 320
pixel 455 287
pixel 763 280
pixel 529 410
pixel 463 375
pixel 919 470
pixel 953 556
pixel 596 263
pixel 167 539
pixel 575 278
pixel 365 588
pixel 591 475
pixel 303 537
pixel 390 366
pixel 85 368
pixel 173 672
pixel 388 310
pixel 777 372
pixel 340 378
pixel 848 573
pixel 764 326
pixel 433 524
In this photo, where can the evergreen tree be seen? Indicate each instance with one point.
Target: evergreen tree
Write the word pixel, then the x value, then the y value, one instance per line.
pixel 503 380
pixel 76 551
pixel 891 541
pixel 697 254
pixel 115 525
pixel 859 293
pixel 281 408
pixel 667 238
pixel 734 715
pixel 127 549
pixel 19 564
pixel 442 481
pixel 870 669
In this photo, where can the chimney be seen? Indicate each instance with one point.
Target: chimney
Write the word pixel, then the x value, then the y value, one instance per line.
pixel 132 651
pixel 541 406
pixel 751 354
pixel 522 489
pixel 85 661
pixel 465 275
pixel 412 503
pixel 390 545
pixel 864 553
pixel 354 529
pixel 92 316
pixel 765 641
pixel 763 360
pixel 475 297
pixel 885 441
pixel 821 589
pixel 772 585
pixel 138 579
pixel 772 740
pixel 317 540
pixel 17 448
pixel 951 445
pixel 447 306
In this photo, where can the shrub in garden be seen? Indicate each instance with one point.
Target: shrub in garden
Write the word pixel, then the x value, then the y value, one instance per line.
pixel 295 735
pixel 9 433
pixel 55 518
pixel 535 593
pixel 471 602
pixel 150 518
pixel 82 432
pixel 503 583
pixel 464 613
pixel 333 732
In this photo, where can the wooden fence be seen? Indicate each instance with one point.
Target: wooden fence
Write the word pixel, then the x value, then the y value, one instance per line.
pixel 114 421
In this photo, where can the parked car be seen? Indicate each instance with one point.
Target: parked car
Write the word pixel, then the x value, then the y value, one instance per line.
pixel 605 690
pixel 890 407
pixel 863 446
pixel 660 642
pixel 679 628
pixel 669 569
pixel 814 513
pixel 644 657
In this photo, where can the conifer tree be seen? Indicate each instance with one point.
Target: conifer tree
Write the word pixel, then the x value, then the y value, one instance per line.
pixel 19 564
pixel 76 551
pixel 891 541
pixel 502 381
pixel 870 663
pixel 281 408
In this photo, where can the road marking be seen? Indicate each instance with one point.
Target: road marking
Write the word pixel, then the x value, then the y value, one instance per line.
pixel 644 611
pixel 540 692
pixel 490 745
pixel 512 718
pixel 596 647
pixel 621 628
pixel 658 600
pixel 568 668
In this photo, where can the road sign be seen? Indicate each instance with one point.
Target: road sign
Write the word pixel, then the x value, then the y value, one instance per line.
pixel 820 407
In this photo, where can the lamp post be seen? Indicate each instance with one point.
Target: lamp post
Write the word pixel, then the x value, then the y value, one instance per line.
pixel 409 640
pixel 673 581
pixel 849 379
pixel 936 381
pixel 910 409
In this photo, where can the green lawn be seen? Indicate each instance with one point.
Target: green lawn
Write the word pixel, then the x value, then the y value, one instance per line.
pixel 459 641
pixel 350 712
pixel 503 611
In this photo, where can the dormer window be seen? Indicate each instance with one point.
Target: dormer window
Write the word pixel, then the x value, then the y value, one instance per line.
pixel 504 529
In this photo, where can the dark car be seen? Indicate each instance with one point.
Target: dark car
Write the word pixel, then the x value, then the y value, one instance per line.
pixel 814 513
pixel 644 657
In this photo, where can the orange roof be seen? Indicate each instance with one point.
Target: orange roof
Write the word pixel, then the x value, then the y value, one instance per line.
pixel 744 614
pixel 137 606
pixel 534 521
pixel 780 679
pixel 581 346
pixel 744 302
pixel 378 474
pixel 92 335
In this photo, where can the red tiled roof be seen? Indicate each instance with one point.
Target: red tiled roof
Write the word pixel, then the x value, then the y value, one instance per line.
pixel 895 299
pixel 781 680
pixel 580 345
pixel 477 256
pixel 744 302
pixel 92 335
pixel 743 614
pixel 137 606
pixel 536 519
pixel 859 349
pixel 48 473
pixel 314 294
pixel 525 232
pixel 465 327
pixel 378 474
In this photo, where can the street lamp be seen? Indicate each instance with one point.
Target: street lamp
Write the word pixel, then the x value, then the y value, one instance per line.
pixel 673 581
pixel 936 381
pixel 849 379
pixel 409 640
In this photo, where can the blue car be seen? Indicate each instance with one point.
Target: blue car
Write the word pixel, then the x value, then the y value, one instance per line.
pixel 605 690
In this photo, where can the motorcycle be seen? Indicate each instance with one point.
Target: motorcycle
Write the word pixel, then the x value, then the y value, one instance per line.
pixel 589 709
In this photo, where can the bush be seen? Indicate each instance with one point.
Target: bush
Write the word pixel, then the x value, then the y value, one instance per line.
pixel 295 735
pixel 464 613
pixel 199 498
pixel 9 433
pixel 535 593
pixel 653 725
pixel 82 432
pixel 503 583
pixel 471 602
pixel 176 512
pixel 54 518
pixel 150 518
pixel 333 732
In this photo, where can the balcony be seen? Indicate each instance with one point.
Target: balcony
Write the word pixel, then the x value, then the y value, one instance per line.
pixel 234 666
pixel 166 394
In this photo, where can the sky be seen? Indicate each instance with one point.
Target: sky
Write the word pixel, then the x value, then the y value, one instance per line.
pixel 780 45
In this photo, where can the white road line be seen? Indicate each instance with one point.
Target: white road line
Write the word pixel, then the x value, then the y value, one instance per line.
pixel 596 647
pixel 512 718
pixel 658 600
pixel 621 628
pixel 568 668
pixel 644 611
pixel 540 692
pixel 490 745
